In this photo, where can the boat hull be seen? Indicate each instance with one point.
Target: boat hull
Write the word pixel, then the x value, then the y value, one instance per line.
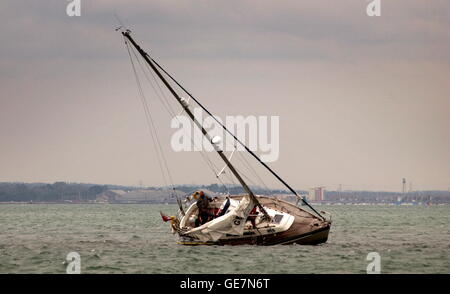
pixel 306 229
pixel 311 238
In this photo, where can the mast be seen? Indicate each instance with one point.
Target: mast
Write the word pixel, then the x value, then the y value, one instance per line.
pixel 146 57
pixel 239 141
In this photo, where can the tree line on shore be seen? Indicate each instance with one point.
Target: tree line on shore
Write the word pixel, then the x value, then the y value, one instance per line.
pixel 56 192
pixel 63 191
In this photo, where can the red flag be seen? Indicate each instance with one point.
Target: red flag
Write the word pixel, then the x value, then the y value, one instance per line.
pixel 165 218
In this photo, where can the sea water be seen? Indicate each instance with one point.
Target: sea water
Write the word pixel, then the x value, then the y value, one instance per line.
pixel 113 238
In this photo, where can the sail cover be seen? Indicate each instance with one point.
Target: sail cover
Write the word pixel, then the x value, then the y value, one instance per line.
pixel 232 223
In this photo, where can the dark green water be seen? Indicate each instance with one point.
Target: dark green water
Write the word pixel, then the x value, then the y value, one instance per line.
pixel 132 239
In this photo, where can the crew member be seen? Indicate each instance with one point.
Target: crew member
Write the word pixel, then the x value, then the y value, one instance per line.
pixel 204 211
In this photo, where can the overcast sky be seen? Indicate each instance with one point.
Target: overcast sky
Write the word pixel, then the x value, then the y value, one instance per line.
pixel 363 101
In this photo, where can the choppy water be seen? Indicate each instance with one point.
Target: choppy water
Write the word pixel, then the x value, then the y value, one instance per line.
pixel 132 239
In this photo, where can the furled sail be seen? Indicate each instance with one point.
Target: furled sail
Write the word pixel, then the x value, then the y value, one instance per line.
pixel 232 223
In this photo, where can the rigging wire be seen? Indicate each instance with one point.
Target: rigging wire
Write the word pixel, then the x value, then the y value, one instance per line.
pixel 160 155
pixel 252 170
pixel 161 96
pixel 240 142
pixel 171 112
pixel 163 99
pixel 178 98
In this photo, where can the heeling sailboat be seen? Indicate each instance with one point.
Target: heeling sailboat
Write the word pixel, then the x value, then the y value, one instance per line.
pixel 239 219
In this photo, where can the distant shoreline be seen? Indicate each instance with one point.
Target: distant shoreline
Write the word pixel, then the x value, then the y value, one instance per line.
pixel 154 203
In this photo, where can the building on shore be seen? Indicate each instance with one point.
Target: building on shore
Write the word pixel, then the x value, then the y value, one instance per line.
pixel 316 194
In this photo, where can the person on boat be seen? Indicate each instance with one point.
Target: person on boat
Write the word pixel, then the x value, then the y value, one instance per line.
pixel 252 217
pixel 204 211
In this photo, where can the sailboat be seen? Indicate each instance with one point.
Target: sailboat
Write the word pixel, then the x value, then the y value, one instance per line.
pixel 245 219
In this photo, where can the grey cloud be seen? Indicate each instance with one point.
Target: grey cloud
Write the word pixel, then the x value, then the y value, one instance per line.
pixel 366 88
